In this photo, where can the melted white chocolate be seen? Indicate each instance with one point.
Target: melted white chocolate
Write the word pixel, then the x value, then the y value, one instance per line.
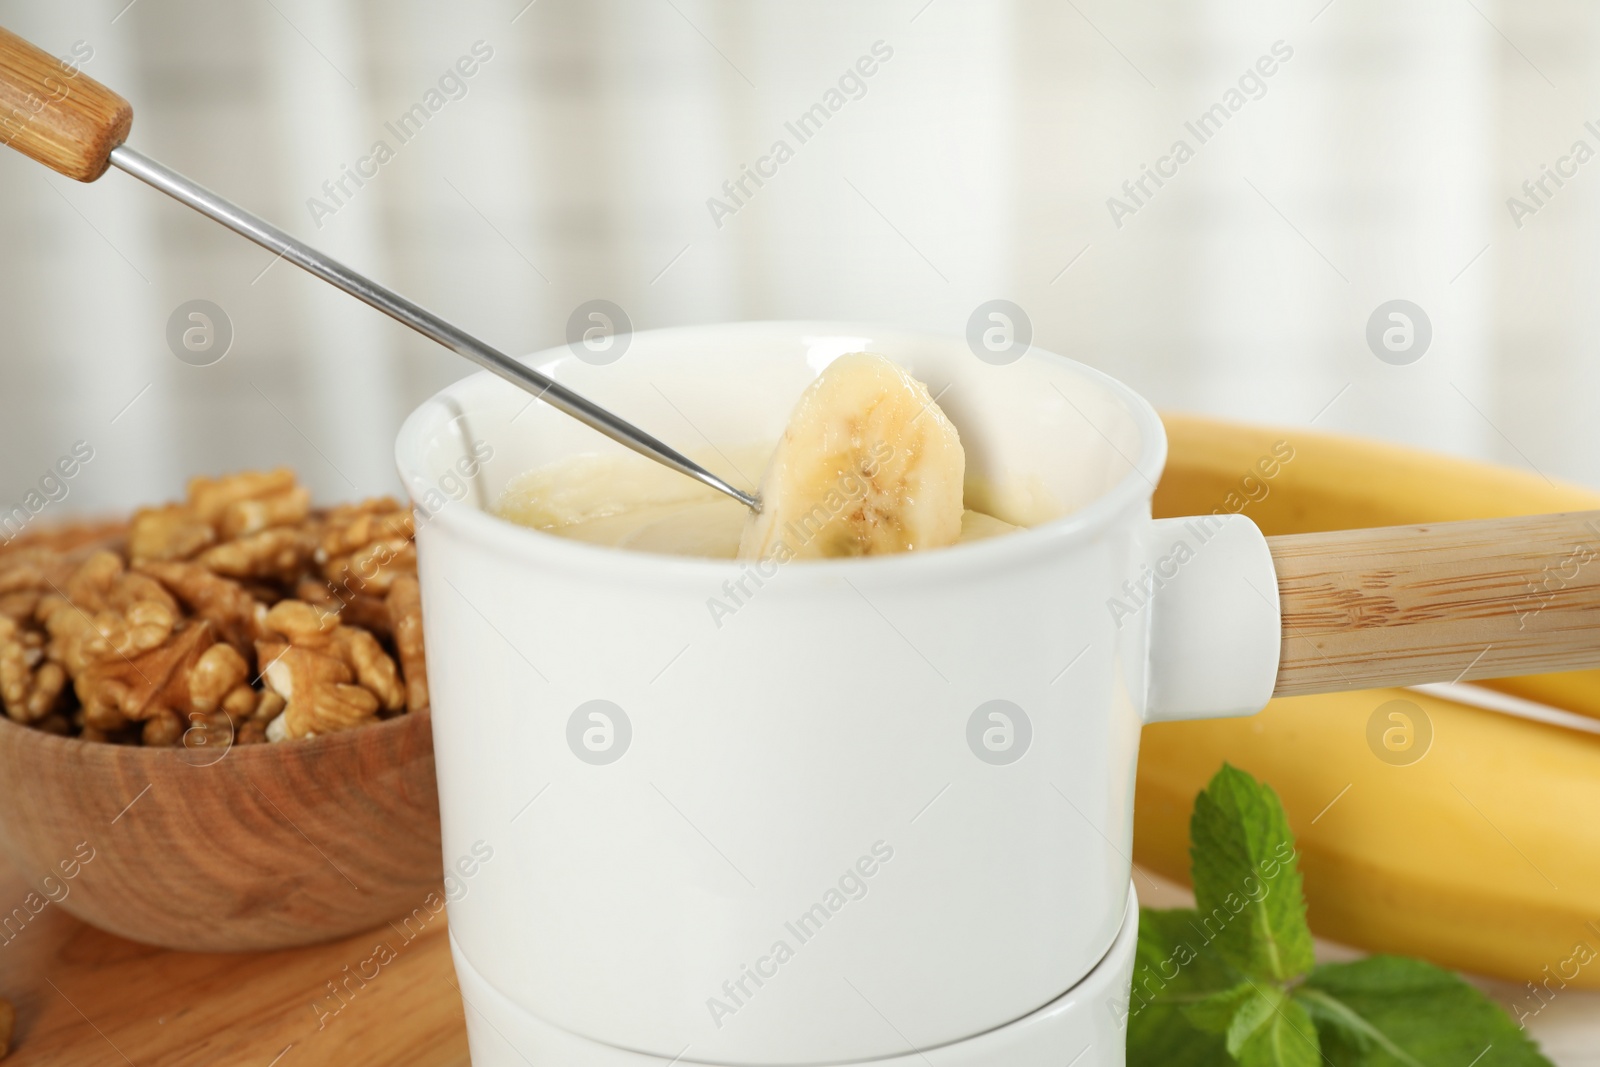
pixel 626 501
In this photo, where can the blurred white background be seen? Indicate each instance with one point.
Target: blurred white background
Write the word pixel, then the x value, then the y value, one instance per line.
pixel 1375 165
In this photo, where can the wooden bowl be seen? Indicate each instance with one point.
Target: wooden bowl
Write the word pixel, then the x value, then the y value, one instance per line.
pixel 251 847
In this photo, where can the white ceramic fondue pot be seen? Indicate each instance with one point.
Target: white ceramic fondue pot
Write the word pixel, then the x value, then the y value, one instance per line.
pixel 826 812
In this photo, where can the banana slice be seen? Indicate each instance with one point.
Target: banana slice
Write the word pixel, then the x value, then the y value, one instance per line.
pixel 867 466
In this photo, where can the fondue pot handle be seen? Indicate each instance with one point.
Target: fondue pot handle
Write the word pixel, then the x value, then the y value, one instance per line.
pixel 52 112
pixel 1230 618
pixel 1444 602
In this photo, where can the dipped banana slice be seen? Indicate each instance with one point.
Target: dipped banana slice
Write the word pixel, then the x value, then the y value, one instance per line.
pixel 868 466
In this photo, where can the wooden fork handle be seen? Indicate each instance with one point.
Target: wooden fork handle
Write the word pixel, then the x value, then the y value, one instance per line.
pixel 1444 602
pixel 54 113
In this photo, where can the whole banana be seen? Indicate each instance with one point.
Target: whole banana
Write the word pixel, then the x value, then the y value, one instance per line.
pixel 1480 855
pixel 1476 848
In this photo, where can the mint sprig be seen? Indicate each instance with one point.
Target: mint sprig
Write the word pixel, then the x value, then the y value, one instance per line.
pixel 1246 882
pixel 1233 980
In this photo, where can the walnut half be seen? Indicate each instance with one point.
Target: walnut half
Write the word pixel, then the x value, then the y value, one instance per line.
pixel 316 665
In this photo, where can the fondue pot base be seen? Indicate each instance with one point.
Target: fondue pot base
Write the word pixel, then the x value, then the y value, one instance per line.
pixel 1084 1027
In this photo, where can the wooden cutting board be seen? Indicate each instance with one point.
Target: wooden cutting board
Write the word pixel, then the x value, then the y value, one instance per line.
pixel 87 998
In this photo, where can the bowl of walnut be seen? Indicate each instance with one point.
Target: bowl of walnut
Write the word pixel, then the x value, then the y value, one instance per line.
pixel 223 704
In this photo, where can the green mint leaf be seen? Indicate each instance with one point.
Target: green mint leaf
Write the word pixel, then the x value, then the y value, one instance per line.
pixel 1216 1013
pixel 1246 882
pixel 1261 1009
pixel 1286 1037
pixel 1236 1013
pixel 1172 957
pixel 1387 1011
pixel 1173 970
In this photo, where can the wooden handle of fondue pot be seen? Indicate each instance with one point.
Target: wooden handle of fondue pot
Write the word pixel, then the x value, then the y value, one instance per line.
pixel 54 113
pixel 1444 602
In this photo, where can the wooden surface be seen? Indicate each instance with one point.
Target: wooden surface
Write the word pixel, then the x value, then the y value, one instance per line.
pixel 226 849
pixel 1444 602
pixel 86 999
pixel 54 113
